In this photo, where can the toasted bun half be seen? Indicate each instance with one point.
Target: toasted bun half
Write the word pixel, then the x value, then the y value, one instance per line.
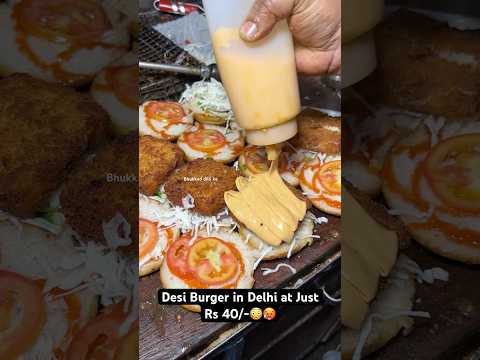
pixel 358 172
pixel 435 240
pixel 207 118
pixel 317 172
pixel 395 298
pixel 171 281
pixel 197 142
pixel 433 199
pixel 194 308
pixel 151 211
pixel 302 238
pixel 150 267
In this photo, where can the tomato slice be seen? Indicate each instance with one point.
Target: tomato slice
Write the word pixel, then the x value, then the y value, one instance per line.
pixel 453 171
pixel 84 21
pixel 177 255
pixel 205 140
pixel 212 261
pixel 99 338
pixel 124 80
pixel 72 314
pixel 314 167
pixel 168 111
pixel 128 347
pixel 256 159
pixel 329 175
pixel 16 291
pixel 208 261
pixel 147 237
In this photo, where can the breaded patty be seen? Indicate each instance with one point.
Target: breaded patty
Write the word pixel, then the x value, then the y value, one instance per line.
pixel 426 67
pixel 206 181
pixel 318 132
pixel 157 159
pixel 103 186
pixel 45 128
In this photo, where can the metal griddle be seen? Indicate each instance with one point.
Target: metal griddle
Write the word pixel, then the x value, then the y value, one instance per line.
pixel 170 332
pixel 153 47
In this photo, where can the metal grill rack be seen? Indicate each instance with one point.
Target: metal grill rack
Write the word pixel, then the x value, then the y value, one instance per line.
pixel 154 47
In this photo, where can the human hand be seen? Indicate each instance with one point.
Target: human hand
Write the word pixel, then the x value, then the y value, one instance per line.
pixel 315 25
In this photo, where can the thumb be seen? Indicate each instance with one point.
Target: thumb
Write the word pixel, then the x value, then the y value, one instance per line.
pixel 263 16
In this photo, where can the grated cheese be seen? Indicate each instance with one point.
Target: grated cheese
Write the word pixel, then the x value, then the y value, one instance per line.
pixel 112 234
pixel 318 220
pixel 290 249
pixel 45 224
pixel 262 255
pixel 235 226
pixel 224 212
pixel 189 221
pixel 268 271
pixel 67 263
pixel 207 97
pixel 327 295
pixel 53 332
pixel 298 283
pixel 12 219
pixel 133 302
pixel 413 213
pixel 404 269
pixel 367 328
pixel 188 202
pixel 331 128
pixel 429 276
pixel 434 125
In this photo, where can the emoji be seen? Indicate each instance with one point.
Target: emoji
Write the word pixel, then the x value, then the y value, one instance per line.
pixel 269 313
pixel 256 313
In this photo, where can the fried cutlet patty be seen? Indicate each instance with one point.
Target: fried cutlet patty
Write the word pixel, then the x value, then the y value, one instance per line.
pixel 101 187
pixel 318 132
pixel 45 128
pixel 206 181
pixel 157 159
pixel 426 67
